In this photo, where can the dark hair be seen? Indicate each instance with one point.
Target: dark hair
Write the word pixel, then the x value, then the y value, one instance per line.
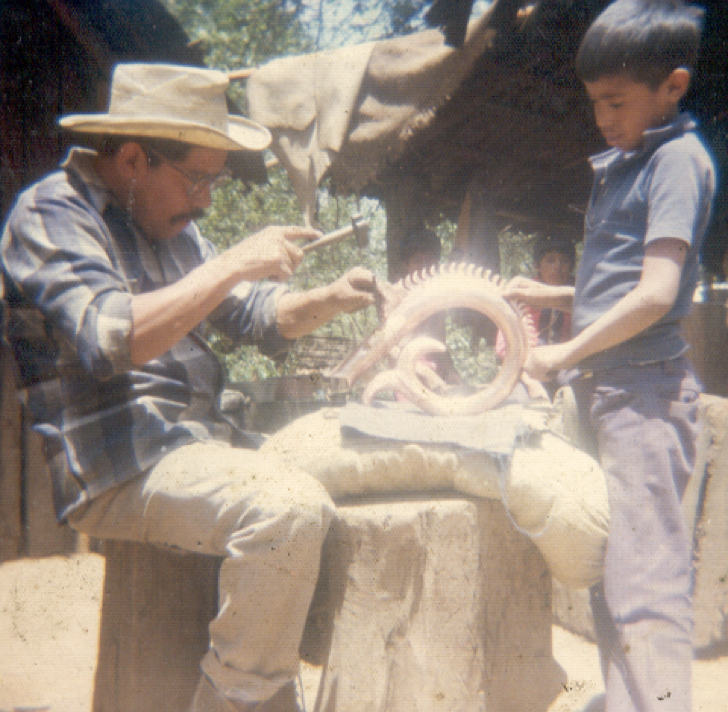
pixel 544 244
pixel 645 39
pixel 168 148
pixel 423 240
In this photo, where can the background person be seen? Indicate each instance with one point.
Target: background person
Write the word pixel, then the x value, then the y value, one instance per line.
pixel 554 259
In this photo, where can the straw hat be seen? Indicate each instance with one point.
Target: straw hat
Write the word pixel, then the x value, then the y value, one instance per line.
pixel 186 104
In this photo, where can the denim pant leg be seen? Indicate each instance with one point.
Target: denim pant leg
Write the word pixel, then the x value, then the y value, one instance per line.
pixel 267 520
pixel 645 420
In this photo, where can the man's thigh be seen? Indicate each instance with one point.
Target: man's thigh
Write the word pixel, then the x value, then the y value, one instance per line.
pixel 198 494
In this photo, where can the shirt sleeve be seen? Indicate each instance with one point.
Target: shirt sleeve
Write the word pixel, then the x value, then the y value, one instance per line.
pixel 56 252
pixel 249 316
pixel 679 182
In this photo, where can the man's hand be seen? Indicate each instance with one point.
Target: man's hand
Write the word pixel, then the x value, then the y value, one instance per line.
pixel 300 313
pixel 354 290
pixel 271 253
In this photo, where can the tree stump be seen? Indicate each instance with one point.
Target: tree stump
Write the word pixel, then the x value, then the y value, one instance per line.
pixel 157 604
pixel 432 605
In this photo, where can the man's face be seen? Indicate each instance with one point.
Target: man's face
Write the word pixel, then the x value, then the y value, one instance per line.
pixel 624 109
pixel 169 196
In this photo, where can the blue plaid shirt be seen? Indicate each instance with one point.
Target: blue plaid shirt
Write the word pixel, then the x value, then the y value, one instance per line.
pixel 71 263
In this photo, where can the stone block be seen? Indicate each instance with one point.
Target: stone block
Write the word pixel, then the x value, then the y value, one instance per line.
pixel 711 534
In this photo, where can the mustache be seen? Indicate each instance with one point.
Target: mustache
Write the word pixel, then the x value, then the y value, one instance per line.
pixel 193 215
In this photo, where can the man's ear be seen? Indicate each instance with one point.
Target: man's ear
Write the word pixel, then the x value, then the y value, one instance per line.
pixel 678 83
pixel 130 160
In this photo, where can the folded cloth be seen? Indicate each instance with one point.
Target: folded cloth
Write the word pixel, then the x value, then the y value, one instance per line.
pixel 495 432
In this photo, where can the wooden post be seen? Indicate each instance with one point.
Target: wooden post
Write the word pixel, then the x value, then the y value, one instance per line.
pixel 11 525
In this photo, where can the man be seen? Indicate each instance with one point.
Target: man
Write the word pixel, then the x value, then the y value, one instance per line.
pixel 110 284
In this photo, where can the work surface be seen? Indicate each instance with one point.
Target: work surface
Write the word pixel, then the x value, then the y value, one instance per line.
pixel 49 623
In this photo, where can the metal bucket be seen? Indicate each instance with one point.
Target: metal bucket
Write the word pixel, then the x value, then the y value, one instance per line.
pixel 274 402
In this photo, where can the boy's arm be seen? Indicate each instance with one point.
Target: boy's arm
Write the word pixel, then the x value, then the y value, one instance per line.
pixel 650 300
pixel 540 295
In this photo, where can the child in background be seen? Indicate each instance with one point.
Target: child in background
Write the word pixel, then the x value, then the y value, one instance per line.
pixel 554 259
pixel 646 219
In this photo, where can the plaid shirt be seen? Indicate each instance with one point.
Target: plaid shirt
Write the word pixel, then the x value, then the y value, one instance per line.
pixel 71 263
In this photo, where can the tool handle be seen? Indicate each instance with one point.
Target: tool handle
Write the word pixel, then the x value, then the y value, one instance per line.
pixel 329 238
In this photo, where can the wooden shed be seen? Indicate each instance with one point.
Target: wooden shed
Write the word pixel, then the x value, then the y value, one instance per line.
pixel 56 58
pixel 505 117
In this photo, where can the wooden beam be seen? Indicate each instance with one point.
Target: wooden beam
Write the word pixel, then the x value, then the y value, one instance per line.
pixel 85 36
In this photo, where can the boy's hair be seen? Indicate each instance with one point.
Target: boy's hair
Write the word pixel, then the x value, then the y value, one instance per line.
pixel 645 39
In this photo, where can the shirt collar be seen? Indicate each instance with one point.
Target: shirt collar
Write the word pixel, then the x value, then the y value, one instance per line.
pixel 680 125
pixel 80 162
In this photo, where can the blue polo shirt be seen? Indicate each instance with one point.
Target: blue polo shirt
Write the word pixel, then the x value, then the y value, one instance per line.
pixel 664 189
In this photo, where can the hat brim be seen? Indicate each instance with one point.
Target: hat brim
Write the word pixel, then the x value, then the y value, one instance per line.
pixel 243 134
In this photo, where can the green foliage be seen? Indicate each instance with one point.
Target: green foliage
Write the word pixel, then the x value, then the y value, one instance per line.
pixel 244 33
pixel 237 213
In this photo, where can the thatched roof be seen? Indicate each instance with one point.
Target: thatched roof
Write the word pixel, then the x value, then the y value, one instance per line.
pixel 517 122
pixel 56 58
pixel 521 124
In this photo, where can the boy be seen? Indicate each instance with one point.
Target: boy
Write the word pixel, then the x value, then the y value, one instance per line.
pixel 647 215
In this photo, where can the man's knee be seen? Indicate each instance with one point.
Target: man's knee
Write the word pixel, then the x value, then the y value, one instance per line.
pixel 295 508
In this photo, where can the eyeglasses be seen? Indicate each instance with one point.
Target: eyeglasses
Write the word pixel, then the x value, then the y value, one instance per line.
pixel 198 182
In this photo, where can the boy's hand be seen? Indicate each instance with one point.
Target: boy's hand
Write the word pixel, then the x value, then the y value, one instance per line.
pixel 522 288
pixel 536 390
pixel 544 361
pixel 538 294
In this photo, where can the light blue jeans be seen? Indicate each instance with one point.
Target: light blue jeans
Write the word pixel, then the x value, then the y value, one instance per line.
pixel 645 422
pixel 268 520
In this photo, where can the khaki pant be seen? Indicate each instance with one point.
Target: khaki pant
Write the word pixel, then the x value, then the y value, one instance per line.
pixel 267 519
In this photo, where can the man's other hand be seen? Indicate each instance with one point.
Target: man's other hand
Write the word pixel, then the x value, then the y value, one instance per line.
pixel 354 290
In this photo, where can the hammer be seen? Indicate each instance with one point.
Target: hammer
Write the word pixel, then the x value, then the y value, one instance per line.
pixel 359 228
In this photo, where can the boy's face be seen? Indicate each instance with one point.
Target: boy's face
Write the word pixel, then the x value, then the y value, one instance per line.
pixel 554 268
pixel 625 109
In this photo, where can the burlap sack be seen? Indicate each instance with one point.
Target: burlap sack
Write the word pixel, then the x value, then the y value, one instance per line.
pixel 553 492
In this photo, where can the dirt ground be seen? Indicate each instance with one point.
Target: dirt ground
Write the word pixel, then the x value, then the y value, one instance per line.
pixel 49 624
